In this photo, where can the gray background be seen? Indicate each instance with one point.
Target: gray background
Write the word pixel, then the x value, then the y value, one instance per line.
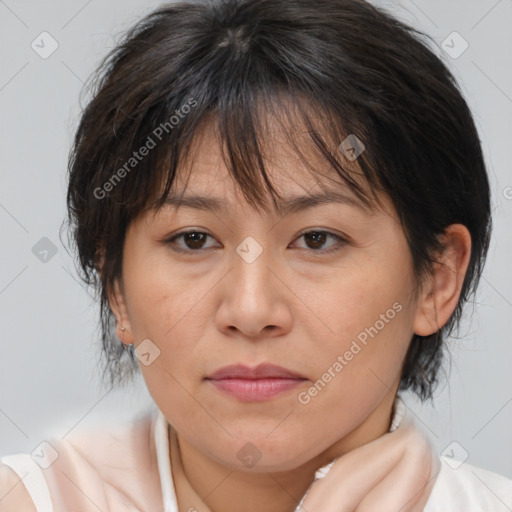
pixel 48 334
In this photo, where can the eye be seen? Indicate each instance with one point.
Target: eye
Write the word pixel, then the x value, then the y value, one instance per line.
pixel 194 241
pixel 316 239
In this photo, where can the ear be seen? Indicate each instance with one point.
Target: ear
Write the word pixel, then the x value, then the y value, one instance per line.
pixel 440 293
pixel 117 304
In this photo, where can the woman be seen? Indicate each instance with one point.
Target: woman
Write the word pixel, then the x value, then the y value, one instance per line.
pixel 285 207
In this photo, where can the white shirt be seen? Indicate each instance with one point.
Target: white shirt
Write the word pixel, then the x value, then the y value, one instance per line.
pixel 460 487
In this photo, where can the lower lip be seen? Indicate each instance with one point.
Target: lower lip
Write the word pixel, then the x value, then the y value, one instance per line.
pixel 255 390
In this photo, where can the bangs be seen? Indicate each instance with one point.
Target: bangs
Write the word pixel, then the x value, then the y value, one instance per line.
pixel 251 134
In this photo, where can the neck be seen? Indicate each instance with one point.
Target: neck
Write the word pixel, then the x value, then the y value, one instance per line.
pixel 225 490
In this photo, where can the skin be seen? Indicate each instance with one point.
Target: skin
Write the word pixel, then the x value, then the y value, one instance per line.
pixel 296 306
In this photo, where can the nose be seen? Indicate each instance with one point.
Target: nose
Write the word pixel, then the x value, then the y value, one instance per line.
pixel 255 300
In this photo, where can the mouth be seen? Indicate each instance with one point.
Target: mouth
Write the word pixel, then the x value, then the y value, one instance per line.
pixel 254 384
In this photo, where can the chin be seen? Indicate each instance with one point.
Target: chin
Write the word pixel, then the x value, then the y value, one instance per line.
pixel 262 454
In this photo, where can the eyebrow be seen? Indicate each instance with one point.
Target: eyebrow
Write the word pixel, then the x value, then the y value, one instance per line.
pixel 285 206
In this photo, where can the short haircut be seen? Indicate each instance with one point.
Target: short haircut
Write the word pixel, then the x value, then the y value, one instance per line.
pixel 347 67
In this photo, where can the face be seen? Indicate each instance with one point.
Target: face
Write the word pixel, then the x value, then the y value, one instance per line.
pixel 325 292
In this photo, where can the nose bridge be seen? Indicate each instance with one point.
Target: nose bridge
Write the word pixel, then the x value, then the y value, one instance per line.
pixel 251 273
pixel 252 298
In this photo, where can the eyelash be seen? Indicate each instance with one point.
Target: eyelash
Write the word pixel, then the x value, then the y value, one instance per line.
pixel 336 247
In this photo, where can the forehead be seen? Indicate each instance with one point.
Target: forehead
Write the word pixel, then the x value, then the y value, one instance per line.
pixel 292 163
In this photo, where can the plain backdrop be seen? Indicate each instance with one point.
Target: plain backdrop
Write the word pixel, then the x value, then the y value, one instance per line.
pixel 48 321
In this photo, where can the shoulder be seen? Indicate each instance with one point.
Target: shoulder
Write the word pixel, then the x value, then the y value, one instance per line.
pixel 461 486
pixel 116 463
pixel 13 493
pixel 104 461
pixel 112 447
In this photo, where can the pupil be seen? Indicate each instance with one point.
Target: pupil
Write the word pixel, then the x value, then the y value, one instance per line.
pixel 318 238
pixel 195 238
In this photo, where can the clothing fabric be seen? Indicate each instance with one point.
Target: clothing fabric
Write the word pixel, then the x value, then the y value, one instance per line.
pixel 137 468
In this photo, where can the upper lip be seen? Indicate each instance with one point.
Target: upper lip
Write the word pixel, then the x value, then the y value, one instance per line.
pixel 262 371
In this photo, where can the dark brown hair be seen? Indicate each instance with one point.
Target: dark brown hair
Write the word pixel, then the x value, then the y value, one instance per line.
pixel 364 72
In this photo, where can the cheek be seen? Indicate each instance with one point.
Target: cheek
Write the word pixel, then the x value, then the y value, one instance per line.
pixel 372 299
pixel 158 296
pixel 173 309
pixel 368 351
pixel 354 374
pixel 370 320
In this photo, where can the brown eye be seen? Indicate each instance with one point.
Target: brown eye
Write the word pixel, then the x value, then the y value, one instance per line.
pixel 315 240
pixel 192 241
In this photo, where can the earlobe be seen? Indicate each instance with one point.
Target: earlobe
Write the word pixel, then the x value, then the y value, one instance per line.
pixel 118 306
pixel 441 292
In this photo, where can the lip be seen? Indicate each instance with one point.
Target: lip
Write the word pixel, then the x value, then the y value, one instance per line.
pixel 262 371
pixel 255 384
